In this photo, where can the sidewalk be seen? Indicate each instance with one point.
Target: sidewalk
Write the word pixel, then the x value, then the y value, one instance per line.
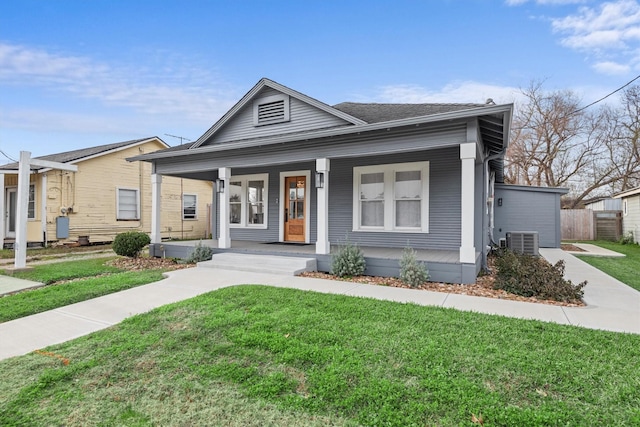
pixel 612 305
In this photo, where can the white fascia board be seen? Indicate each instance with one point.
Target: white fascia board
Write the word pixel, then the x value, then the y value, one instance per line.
pixel 627 193
pixel 325 133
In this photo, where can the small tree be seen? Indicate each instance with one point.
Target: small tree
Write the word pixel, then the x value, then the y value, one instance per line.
pixel 412 272
pixel 131 243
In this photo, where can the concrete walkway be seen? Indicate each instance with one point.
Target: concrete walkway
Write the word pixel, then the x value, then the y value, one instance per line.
pixel 612 305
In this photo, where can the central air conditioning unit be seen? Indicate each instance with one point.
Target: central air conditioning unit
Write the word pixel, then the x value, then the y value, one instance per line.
pixel 524 242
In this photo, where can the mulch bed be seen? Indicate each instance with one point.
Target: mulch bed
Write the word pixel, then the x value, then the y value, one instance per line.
pixel 571 248
pixel 147 263
pixel 482 288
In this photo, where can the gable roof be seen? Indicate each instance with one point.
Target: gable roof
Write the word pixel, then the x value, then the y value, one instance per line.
pixel 628 193
pixel 75 156
pixel 376 113
pixel 249 97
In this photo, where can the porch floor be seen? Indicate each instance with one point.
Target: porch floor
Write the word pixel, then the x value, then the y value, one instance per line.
pixel 429 255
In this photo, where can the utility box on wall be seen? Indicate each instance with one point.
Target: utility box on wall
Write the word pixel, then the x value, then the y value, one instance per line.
pixel 62 227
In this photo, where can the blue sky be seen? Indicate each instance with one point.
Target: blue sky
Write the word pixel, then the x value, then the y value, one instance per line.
pixel 78 73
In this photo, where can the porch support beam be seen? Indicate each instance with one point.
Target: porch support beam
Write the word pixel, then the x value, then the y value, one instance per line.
pixel 20 245
pixel 43 208
pixel 224 241
pixel 467 157
pixel 3 211
pixel 156 207
pixel 323 246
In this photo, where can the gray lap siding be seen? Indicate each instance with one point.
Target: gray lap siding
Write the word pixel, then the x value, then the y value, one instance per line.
pixel 444 202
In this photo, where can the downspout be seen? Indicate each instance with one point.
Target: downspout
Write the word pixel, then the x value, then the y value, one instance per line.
pixel 485 219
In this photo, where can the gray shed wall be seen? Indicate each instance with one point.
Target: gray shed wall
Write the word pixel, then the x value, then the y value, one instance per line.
pixel 528 209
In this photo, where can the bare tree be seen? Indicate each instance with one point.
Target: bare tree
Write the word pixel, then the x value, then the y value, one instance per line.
pixel 556 144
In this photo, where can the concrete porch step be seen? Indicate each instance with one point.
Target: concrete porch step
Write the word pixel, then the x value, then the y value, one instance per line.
pixel 274 264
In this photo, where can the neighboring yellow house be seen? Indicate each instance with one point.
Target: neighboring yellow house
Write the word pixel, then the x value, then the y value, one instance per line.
pixel 107 196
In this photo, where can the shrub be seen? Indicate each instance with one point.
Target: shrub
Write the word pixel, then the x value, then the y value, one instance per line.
pixel 627 239
pixel 533 276
pixel 130 244
pixel 413 272
pixel 200 253
pixel 348 261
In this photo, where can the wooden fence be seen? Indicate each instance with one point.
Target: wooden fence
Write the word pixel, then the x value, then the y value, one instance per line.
pixel 586 224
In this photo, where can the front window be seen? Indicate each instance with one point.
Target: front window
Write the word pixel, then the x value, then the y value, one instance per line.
pixel 189 206
pixel 248 201
pixel 31 209
pixel 391 197
pixel 128 204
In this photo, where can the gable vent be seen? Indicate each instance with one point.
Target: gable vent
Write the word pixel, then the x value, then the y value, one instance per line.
pixel 269 110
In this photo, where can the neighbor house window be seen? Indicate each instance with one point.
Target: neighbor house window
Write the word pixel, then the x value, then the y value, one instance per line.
pixel 248 200
pixel 189 206
pixel 128 204
pixel 625 207
pixel 270 110
pixel 393 197
pixel 31 207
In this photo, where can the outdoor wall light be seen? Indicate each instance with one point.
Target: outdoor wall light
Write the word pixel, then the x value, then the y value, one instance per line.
pixel 219 185
pixel 319 179
pixel 499 201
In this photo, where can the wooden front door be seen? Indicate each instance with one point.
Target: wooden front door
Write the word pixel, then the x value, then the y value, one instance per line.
pixel 294 208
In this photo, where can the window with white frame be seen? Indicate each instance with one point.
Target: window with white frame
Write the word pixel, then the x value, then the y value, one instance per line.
pixel 248 200
pixel 31 207
pixel 189 206
pixel 393 197
pixel 625 207
pixel 128 204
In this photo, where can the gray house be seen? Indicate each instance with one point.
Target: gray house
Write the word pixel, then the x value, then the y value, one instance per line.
pixel 292 172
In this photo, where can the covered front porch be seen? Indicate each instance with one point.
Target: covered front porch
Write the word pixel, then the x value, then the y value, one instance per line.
pixel 443 265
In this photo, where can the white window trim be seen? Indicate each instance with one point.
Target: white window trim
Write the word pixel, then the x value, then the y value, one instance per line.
pixel 625 207
pixel 389 171
pixel 195 217
pixel 266 100
pixel 244 179
pixel 137 190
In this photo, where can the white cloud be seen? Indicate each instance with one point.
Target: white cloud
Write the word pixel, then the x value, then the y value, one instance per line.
pixel 194 94
pixel 457 92
pixel 611 68
pixel 612 25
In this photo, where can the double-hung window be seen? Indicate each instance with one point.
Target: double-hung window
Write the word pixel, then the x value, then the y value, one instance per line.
pixel 128 204
pixel 248 201
pixel 189 206
pixel 31 207
pixel 393 197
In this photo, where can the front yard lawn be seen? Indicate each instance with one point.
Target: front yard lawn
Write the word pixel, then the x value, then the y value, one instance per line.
pixel 255 355
pixel 70 282
pixel 626 269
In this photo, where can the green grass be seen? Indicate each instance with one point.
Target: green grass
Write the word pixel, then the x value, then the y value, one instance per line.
pixel 625 269
pixel 254 356
pixel 95 279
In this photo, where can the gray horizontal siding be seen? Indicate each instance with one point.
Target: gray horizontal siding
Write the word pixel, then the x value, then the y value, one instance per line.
pixel 528 210
pixel 303 117
pixel 387 143
pixel 444 202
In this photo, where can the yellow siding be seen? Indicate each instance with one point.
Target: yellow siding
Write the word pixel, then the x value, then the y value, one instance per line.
pixel 89 196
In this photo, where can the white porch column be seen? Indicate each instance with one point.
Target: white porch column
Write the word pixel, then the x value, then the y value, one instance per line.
pixel 224 241
pixel 156 207
pixel 322 243
pixel 468 158
pixel 3 212
pixel 43 208
pixel 20 248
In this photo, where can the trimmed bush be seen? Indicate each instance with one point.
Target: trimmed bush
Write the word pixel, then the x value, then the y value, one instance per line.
pixel 200 253
pixel 130 244
pixel 627 239
pixel 348 261
pixel 413 272
pixel 532 276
